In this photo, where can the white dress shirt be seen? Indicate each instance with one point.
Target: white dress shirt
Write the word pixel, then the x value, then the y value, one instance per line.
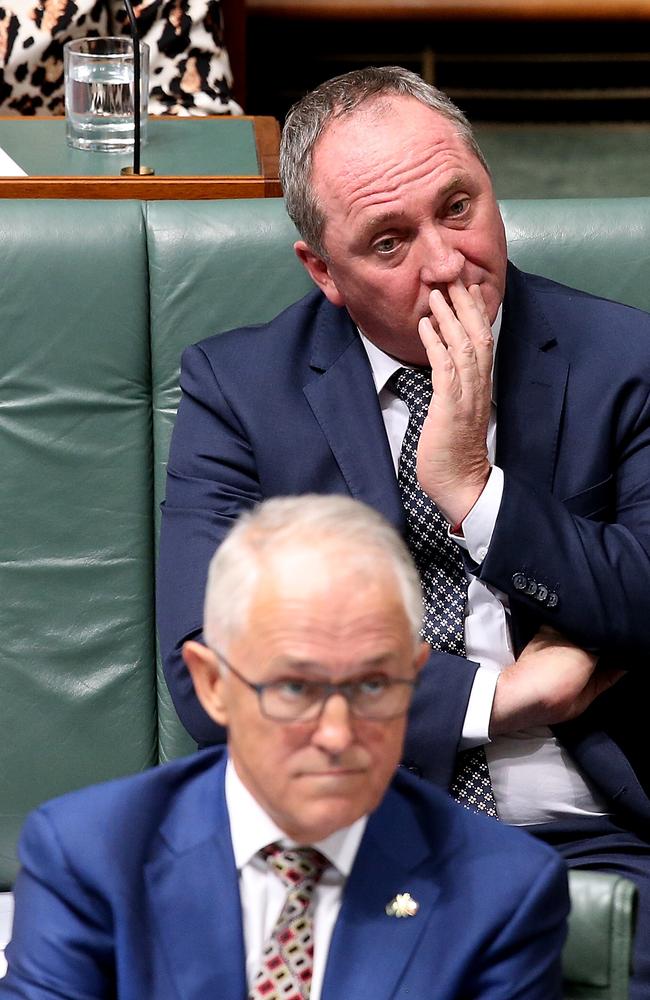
pixel 263 894
pixel 533 779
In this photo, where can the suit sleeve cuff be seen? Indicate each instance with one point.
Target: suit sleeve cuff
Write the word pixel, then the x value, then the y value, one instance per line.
pixel 478 525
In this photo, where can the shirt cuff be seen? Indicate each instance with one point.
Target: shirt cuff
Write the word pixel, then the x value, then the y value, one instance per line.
pixel 478 525
pixel 479 709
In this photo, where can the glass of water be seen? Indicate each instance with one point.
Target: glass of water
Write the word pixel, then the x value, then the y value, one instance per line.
pixel 99 93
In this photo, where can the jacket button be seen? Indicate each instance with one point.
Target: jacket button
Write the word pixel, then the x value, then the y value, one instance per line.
pixel 552 600
pixel 520 581
pixel 542 593
pixel 531 588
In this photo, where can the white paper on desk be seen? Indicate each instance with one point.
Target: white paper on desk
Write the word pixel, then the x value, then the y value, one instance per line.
pixel 9 167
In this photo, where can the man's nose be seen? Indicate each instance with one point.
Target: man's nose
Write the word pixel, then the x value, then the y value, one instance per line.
pixel 441 262
pixel 334 731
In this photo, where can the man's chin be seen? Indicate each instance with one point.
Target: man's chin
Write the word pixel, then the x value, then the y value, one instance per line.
pixel 411 354
pixel 326 818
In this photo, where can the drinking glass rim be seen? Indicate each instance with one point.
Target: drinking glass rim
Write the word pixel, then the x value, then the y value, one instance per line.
pixel 127 51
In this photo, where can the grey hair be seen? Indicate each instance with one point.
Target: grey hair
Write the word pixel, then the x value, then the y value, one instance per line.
pixel 315 522
pixel 338 98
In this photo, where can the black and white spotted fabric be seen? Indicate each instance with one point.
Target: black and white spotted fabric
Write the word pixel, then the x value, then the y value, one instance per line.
pixel 188 64
pixel 444 583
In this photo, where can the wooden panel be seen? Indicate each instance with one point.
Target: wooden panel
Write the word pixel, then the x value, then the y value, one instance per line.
pixel 455 9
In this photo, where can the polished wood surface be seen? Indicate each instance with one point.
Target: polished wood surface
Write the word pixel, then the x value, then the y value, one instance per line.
pixel 455 9
pixel 264 184
pixel 146 188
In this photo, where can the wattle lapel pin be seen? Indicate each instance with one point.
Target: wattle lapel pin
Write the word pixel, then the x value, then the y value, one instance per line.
pixel 402 906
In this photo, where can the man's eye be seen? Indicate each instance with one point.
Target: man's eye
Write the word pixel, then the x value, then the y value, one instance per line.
pixel 458 207
pixel 291 689
pixel 373 685
pixel 385 246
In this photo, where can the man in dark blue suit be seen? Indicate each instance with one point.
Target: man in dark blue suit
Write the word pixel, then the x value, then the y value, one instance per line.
pixel 165 885
pixel 535 450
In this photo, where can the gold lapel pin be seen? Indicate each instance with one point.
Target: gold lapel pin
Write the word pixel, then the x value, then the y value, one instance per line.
pixel 402 906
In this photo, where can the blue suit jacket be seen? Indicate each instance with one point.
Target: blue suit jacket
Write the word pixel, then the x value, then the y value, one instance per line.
pixel 290 407
pixel 130 890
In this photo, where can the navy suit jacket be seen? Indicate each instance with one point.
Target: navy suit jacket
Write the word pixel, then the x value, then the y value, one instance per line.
pixel 290 407
pixel 129 890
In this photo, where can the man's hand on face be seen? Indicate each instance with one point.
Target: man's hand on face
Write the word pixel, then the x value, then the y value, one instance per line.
pixel 452 463
pixel 552 681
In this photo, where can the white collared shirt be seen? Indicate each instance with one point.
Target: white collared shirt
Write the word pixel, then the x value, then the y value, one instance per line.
pixel 533 779
pixel 263 894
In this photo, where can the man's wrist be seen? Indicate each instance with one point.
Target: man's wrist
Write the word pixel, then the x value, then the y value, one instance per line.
pixel 464 503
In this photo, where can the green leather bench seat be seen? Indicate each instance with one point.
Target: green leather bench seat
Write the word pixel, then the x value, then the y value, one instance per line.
pixel 97 300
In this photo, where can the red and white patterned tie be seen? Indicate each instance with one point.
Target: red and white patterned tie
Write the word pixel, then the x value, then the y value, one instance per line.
pixel 288 956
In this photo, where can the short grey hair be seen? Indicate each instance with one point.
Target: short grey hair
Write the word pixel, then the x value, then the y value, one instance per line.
pixel 339 98
pixel 315 522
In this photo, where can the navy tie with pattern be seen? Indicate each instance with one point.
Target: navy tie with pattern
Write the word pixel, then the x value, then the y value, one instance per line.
pixel 444 582
pixel 288 957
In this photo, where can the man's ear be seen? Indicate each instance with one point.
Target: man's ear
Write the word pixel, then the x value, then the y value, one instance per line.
pixel 207 680
pixel 319 272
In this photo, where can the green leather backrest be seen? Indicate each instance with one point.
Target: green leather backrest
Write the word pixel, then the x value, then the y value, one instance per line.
pixel 599 245
pixel 77 692
pixel 213 266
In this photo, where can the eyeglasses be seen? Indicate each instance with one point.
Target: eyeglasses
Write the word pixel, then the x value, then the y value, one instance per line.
pixel 293 699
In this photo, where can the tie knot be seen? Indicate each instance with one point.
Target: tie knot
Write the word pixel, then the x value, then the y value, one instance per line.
pixel 296 866
pixel 414 386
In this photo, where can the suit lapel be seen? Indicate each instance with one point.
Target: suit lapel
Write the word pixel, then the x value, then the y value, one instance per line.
pixel 370 949
pixel 344 401
pixel 194 894
pixel 531 385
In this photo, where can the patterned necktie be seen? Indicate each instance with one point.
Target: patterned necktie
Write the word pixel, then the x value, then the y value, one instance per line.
pixel 440 564
pixel 288 956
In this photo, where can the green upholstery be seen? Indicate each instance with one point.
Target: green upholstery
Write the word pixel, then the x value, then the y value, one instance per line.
pixel 598 245
pixel 97 300
pixel 77 699
pixel 211 268
pixel 598 950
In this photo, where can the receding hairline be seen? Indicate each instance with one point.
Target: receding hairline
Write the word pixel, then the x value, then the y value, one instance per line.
pixel 347 531
pixel 379 106
pixel 346 559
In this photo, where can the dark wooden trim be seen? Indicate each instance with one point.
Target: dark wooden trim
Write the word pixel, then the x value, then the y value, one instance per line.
pixel 234 36
pixel 267 140
pixel 515 10
pixel 147 188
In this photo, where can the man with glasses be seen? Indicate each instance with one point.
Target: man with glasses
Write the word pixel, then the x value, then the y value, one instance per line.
pixel 297 863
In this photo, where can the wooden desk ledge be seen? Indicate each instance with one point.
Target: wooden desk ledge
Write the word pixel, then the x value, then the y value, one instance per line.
pixel 38 145
pixel 516 10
